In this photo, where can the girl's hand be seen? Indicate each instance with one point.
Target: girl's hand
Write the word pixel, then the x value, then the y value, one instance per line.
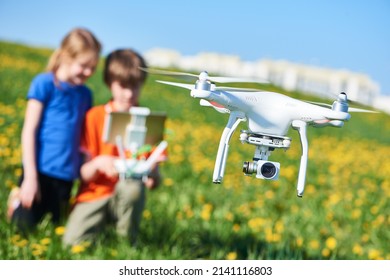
pixel 29 191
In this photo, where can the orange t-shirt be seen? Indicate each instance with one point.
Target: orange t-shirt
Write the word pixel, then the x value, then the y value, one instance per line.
pixel 93 144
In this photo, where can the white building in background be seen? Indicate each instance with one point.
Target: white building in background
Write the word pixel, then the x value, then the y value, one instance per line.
pixel 288 75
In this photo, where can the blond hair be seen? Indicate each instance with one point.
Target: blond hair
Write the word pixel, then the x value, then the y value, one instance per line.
pixel 77 41
pixel 123 66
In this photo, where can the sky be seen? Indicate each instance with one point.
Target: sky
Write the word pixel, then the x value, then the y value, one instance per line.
pixel 339 34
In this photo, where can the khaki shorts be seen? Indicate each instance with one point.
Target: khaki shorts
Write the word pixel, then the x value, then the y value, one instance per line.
pixel 123 209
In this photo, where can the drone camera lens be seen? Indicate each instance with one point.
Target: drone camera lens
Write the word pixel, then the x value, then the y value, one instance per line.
pixel 268 170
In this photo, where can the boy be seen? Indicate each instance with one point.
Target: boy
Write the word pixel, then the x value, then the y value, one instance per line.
pixel 103 198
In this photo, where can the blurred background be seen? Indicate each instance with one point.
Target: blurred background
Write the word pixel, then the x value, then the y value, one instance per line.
pixel 320 47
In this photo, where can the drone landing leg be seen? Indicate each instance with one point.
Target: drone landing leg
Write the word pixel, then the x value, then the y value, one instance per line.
pixel 301 127
pixel 220 162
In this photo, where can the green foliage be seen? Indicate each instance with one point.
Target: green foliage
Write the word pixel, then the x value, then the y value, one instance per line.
pixel 344 214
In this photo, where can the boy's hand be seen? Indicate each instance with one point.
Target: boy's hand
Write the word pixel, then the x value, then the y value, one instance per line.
pixel 153 180
pixel 105 164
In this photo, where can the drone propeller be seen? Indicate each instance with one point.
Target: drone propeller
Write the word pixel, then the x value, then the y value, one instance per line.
pixel 213 88
pixel 187 86
pixel 350 109
pixel 204 76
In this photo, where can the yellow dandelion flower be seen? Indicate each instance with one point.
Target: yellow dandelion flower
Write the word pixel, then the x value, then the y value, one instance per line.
pixel 168 182
pixel 365 238
pixel 18 172
pixel 299 241
pixel 189 213
pixel 374 210
pixel 279 226
pixel 114 252
pixel 206 211
pixel 269 194
pixel 374 254
pixel 325 252
pixel 35 246
pixel 314 244
pixel 37 252
pixel 15 238
pixel 357 250
pixel 356 213
pixel 231 256
pixel 229 216
pixel 236 227
pixel 147 214
pixel 45 241
pixel 22 243
pixel 59 230
pixel 331 243
pixel 205 215
pixel 76 249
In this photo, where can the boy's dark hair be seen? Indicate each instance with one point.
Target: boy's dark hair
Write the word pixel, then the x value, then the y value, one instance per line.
pixel 123 66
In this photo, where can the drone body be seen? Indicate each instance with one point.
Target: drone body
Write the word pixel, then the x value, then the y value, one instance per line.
pixel 269 116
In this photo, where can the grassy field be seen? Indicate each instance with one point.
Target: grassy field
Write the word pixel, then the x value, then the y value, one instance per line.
pixel 344 214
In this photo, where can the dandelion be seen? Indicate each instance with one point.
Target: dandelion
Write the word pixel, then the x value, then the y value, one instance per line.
pixel 279 226
pixel 314 244
pixel 45 241
pixel 269 194
pixel 256 224
pixel 206 211
pixel 374 254
pixel 168 182
pixel 231 256
pixel 356 213
pixel 365 237
pixel 59 230
pixel 21 243
pixel 357 250
pixel 189 213
pixel 229 216
pixel 325 252
pixel 299 242
pixel 147 214
pixel 331 243
pixel 15 238
pixel 77 249
pixel 37 252
pixel 114 253
pixel 374 210
pixel 236 227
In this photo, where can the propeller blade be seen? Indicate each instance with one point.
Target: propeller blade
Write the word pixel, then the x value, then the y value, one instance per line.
pixel 187 86
pixel 319 104
pixel 235 89
pixel 350 109
pixel 237 80
pixel 194 77
pixel 191 87
pixel 358 110
pixel 186 76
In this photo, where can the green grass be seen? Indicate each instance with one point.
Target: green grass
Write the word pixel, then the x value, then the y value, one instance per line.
pixel 344 214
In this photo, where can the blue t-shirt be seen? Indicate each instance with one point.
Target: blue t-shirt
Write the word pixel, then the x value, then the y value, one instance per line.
pixel 58 136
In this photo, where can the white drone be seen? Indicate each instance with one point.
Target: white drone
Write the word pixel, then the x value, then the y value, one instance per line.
pixel 269 116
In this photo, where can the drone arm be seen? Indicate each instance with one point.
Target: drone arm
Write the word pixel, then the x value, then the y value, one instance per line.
pixel 220 162
pixel 301 127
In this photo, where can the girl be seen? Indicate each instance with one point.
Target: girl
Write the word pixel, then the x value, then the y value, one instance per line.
pixel 56 106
